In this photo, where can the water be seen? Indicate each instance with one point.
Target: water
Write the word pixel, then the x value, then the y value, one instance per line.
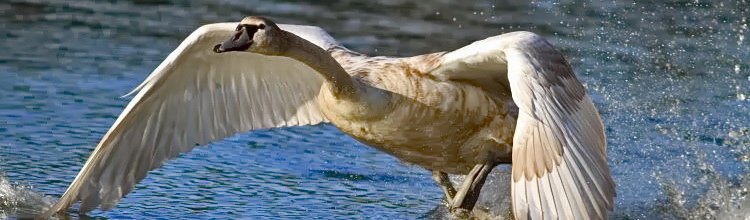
pixel 671 81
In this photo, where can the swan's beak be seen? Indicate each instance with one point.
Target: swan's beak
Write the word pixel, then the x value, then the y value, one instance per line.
pixel 240 41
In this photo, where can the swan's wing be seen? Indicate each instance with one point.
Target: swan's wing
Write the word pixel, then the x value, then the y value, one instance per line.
pixel 193 97
pixel 313 34
pixel 559 148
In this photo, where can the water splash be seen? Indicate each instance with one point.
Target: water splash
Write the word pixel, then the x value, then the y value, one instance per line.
pixel 20 200
pixel 494 200
pixel 724 197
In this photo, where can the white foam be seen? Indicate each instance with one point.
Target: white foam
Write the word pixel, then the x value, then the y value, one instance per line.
pixel 20 200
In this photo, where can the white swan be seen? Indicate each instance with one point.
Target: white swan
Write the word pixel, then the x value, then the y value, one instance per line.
pixel 511 97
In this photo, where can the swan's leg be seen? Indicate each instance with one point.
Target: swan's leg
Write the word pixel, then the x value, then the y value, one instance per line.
pixel 441 178
pixel 468 194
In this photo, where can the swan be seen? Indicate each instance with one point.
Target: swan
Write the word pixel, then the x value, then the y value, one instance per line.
pixel 510 98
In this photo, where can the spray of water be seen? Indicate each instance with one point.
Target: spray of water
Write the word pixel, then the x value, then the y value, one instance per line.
pixel 724 199
pixel 20 200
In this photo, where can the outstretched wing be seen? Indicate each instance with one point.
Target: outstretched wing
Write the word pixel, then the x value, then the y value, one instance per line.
pixel 559 148
pixel 193 97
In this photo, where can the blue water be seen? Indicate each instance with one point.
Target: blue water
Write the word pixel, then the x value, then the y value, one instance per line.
pixel 671 81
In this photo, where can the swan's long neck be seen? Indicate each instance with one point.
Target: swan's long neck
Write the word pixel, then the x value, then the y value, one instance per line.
pixel 342 84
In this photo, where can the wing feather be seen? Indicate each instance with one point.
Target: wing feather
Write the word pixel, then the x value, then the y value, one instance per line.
pixel 559 148
pixel 193 97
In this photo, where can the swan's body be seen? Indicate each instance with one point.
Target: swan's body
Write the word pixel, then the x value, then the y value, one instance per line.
pixel 506 98
pixel 415 123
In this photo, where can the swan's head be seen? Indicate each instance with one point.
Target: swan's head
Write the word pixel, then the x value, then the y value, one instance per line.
pixel 253 34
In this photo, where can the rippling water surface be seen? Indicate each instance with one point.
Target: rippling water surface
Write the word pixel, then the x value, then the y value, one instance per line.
pixel 671 80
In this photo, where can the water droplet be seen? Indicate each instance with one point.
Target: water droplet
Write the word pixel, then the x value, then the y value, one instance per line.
pixel 737 68
pixel 741 96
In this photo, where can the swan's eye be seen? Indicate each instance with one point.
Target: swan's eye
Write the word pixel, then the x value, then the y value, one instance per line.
pixel 261 26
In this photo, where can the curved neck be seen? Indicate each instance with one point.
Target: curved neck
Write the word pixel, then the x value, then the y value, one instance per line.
pixel 318 59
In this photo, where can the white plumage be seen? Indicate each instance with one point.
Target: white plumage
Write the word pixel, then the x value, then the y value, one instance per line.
pixel 511 97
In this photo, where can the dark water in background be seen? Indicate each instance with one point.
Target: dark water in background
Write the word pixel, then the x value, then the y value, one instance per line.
pixel 671 80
